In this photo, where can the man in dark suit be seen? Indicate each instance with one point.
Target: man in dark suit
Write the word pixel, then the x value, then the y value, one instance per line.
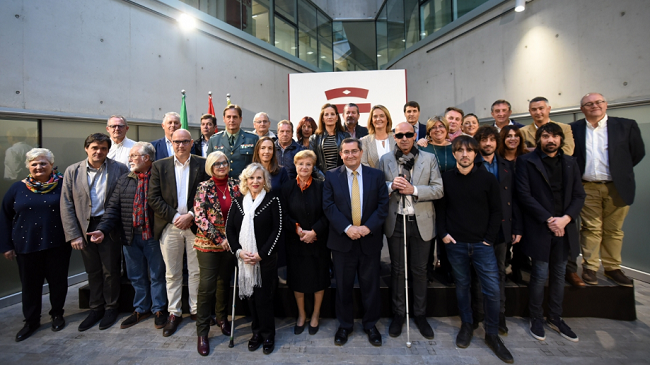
pixel 412 114
pixel 171 122
pixel 351 113
pixel 607 149
pixel 237 144
pixel 355 201
pixel 87 188
pixel 501 111
pixel 172 188
pixel 488 142
pixel 550 194
pixel 208 126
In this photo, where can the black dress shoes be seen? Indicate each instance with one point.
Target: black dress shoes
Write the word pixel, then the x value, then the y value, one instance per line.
pixel 93 317
pixel 27 331
pixel 425 328
pixel 499 349
pixel 58 323
pixel 395 328
pixel 298 329
pixel 172 325
pixel 341 336
pixel 313 330
pixel 374 337
pixel 465 335
pixel 255 342
pixel 109 319
pixel 268 346
pixel 203 346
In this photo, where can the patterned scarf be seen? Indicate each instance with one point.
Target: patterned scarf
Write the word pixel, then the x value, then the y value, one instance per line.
pixel 140 206
pixel 38 187
pixel 406 161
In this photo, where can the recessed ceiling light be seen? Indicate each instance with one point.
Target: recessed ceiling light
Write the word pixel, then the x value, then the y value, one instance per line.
pixel 310 52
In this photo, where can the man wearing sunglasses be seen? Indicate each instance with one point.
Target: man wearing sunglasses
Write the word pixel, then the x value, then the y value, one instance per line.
pixel 413 181
pixel 172 188
pixel 117 127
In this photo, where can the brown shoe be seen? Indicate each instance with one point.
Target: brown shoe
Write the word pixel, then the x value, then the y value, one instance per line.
pixel 619 278
pixel 161 319
pixel 575 280
pixel 589 277
pixel 225 326
pixel 203 346
pixel 172 325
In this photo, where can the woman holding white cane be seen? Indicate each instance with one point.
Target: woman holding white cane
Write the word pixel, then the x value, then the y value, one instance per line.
pixel 253 229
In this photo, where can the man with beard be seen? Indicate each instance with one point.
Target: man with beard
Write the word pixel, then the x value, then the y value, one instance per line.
pixel 549 190
pixel 488 141
pixel 351 113
pixel 468 219
pixel 144 261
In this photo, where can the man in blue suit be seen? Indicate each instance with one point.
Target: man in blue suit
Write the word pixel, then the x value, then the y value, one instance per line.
pixel 355 201
pixel 171 122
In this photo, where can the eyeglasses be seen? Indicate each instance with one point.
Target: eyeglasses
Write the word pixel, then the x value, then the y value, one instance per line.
pixel 185 141
pixel 402 135
pixel 133 157
pixel 117 126
pixel 262 122
pixel 220 164
pixel 597 103
pixel 350 152
pixel 439 126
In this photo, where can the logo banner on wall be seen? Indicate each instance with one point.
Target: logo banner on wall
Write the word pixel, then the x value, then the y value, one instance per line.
pixel 309 91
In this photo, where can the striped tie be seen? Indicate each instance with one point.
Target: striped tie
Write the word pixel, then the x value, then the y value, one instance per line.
pixel 356 201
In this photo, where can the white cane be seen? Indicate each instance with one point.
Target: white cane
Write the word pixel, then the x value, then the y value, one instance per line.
pixel 232 322
pixel 406 268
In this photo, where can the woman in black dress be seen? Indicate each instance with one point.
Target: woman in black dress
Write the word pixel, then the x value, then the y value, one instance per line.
pixel 308 258
pixel 253 229
pixel 33 234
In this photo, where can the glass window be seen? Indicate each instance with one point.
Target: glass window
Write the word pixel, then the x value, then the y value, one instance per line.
pixel 285 36
pixel 324 26
pixel 465 6
pixel 287 8
pixel 434 14
pixel 395 18
pixel 307 33
pixel 412 13
pixel 17 137
pixel 382 39
pixel 352 51
pixel 256 19
pixel 325 54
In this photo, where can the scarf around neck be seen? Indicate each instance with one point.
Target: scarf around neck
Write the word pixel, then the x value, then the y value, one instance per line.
pixel 140 206
pixel 249 275
pixel 38 187
pixel 406 161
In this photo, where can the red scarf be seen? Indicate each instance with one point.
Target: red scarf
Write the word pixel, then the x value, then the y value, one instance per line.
pixel 140 206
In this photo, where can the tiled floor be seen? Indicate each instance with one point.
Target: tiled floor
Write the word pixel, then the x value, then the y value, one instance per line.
pixel 601 342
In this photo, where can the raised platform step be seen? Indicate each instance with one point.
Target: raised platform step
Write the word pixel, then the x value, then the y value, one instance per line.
pixel 605 300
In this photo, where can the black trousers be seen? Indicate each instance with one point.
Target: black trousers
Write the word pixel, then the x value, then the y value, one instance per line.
pixel 261 302
pixel 347 265
pixel 418 253
pixel 51 265
pixel 102 262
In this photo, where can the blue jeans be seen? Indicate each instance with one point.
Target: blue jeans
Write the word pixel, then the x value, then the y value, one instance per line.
pixel 149 286
pixel 556 267
pixel 481 256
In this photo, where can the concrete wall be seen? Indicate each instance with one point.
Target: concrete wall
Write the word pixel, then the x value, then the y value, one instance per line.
pixel 350 9
pixel 106 57
pixel 555 48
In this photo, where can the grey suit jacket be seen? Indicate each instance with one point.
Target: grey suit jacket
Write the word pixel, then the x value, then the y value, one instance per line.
pixel 370 156
pixel 75 196
pixel 426 178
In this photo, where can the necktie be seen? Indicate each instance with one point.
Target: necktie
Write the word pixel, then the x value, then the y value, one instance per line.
pixel 356 201
pixel 232 140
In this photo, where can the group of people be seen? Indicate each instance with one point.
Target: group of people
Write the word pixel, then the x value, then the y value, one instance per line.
pixel 321 205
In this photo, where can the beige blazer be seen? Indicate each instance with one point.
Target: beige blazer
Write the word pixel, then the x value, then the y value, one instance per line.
pixel 529 132
pixel 370 157
pixel 426 178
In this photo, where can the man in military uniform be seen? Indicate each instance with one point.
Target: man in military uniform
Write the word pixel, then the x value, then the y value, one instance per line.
pixel 237 144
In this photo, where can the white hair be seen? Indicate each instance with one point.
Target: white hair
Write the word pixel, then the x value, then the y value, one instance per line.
pixel 37 152
pixel 260 114
pixel 173 114
pixel 147 148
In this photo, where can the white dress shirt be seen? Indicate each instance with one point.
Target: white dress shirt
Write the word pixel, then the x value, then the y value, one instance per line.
pixel 182 172
pixel 204 147
pixel 597 159
pixel 120 151
pixel 360 182
pixel 97 188
pixel 409 209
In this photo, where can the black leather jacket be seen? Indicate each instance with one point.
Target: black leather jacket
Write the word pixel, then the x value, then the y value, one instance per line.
pixel 316 145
